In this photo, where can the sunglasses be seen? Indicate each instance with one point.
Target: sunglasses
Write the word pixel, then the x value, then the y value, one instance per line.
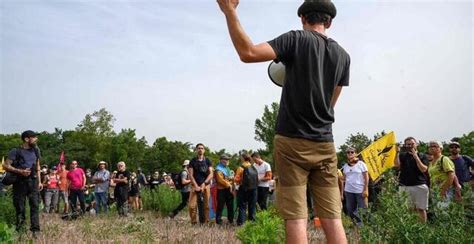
pixel 454 147
pixel 350 152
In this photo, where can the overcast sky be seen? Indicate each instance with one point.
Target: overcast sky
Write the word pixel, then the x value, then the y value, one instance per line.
pixel 168 67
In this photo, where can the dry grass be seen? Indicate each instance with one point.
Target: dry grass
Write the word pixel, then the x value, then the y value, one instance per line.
pixel 146 227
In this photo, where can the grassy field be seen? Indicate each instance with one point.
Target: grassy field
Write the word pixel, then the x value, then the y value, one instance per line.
pixel 142 227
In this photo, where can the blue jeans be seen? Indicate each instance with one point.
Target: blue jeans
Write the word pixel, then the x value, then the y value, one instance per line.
pixel 101 202
pixel 354 201
pixel 246 198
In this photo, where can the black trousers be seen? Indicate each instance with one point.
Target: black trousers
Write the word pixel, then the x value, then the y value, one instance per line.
pixel 26 188
pixel 121 197
pixel 74 195
pixel 184 202
pixel 225 197
pixel 262 196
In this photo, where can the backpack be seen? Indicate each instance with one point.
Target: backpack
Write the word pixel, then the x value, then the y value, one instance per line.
pixel 176 177
pixel 250 178
pixel 11 178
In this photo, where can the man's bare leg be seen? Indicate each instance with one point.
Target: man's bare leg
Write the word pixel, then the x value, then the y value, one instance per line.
pixel 296 231
pixel 422 214
pixel 333 230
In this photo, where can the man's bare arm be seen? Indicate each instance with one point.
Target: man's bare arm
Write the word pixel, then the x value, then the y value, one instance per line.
pixel 335 96
pixel 248 52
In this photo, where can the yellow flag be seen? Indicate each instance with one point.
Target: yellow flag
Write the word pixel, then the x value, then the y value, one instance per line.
pixel 1 166
pixel 380 155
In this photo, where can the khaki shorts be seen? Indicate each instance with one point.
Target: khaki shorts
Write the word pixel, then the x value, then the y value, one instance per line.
pixel 417 195
pixel 299 162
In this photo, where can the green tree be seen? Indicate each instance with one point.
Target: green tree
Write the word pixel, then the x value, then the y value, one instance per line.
pixel 265 126
pixel 126 147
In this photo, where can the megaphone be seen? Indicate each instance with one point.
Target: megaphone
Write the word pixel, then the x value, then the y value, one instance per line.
pixel 276 72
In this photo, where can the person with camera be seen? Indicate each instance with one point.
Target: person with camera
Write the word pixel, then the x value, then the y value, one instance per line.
pixel 200 172
pixel 412 180
pixel 23 165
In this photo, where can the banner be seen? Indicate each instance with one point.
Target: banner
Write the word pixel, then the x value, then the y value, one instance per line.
pixel 380 155
pixel 61 162
pixel 1 166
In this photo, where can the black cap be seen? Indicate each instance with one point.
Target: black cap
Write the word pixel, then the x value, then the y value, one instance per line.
pixel 28 134
pixel 325 6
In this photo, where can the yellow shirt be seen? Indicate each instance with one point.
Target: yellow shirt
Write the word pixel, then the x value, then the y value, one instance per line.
pixel 439 170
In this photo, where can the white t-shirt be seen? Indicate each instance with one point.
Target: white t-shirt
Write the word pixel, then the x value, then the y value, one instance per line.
pixel 262 169
pixel 354 177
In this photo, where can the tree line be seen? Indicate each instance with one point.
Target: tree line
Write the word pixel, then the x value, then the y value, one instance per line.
pixel 94 140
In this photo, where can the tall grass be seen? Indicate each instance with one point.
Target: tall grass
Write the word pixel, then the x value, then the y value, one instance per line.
pixel 162 199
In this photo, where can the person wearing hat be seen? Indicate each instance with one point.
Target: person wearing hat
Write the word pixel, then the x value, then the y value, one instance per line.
pixel 462 163
pixel 185 189
pixel 101 180
pixel 316 69
pixel 225 191
pixel 24 162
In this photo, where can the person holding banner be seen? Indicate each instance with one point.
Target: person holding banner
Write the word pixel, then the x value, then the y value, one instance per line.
pixel 412 166
pixel 356 185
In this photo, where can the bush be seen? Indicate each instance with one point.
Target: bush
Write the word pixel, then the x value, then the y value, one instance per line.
pixel 6 233
pixel 162 198
pixel 268 227
pixel 392 220
pixel 7 210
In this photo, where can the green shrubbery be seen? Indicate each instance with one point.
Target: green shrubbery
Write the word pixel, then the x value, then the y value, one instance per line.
pixel 268 227
pixel 392 220
pixel 162 198
pixel 7 210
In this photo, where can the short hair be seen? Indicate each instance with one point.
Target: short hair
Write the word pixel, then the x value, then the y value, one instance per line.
pixel 440 145
pixel 256 155
pixel 121 163
pixel 245 156
pixel 410 138
pixel 199 144
pixel 317 18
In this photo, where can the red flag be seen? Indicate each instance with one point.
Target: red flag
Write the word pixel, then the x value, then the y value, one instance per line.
pixel 61 162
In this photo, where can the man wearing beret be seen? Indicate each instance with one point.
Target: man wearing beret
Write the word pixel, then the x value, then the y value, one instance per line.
pixel 316 69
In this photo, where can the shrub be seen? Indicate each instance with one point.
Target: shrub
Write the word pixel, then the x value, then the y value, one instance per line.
pixel 268 227
pixel 6 233
pixel 392 220
pixel 7 210
pixel 162 198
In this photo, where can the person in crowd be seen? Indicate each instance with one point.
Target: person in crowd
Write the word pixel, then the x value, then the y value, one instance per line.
pixel 167 181
pixel 264 176
pixel 246 179
pixel 356 184
pixel 155 180
pixel 89 181
pixel 51 184
pixel 462 163
pixel 101 180
pixel 24 162
pixel 76 185
pixel 186 188
pixel 225 191
pixel 200 172
pixel 63 189
pixel 142 180
pixel 43 174
pixel 442 176
pixel 121 180
pixel 134 191
pixel 412 180
pixel 89 200
pixel 303 139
